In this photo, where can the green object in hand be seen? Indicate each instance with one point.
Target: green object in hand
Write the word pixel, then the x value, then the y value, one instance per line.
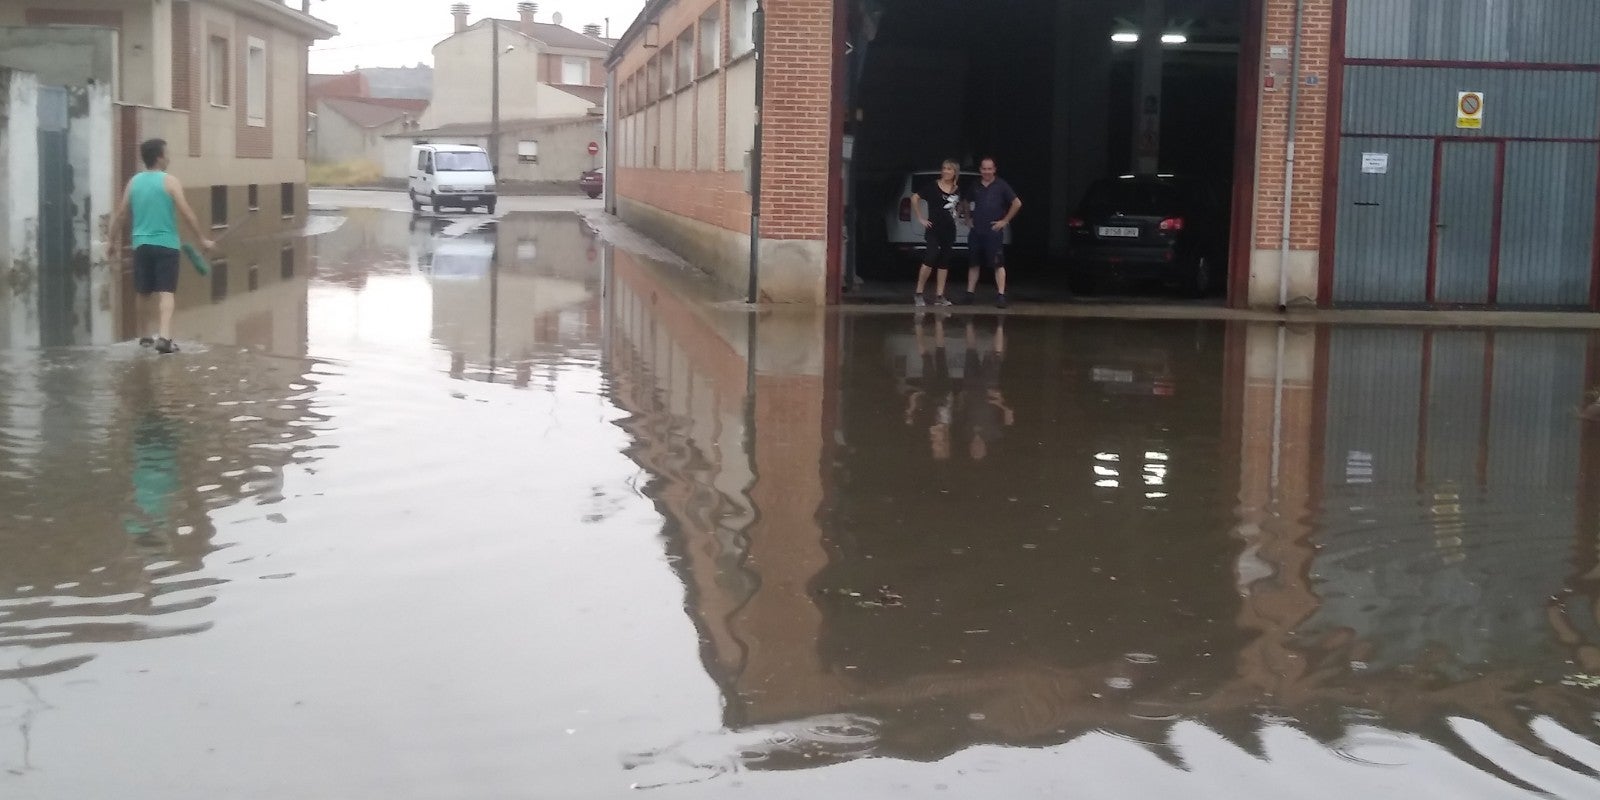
pixel 195 259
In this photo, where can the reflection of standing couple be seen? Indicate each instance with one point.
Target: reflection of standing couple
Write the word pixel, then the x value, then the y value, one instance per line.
pixel 978 409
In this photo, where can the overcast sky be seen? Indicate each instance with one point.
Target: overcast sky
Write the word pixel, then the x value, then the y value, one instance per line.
pixel 395 33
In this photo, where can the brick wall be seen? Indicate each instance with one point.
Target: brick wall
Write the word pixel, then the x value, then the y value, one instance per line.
pixel 252 141
pixel 713 197
pixel 1310 137
pixel 796 127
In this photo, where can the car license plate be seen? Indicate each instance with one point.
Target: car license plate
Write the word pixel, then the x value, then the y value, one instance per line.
pixel 469 197
pixel 1120 232
pixel 1108 375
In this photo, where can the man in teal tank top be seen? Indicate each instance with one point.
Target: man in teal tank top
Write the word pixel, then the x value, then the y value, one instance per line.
pixel 154 201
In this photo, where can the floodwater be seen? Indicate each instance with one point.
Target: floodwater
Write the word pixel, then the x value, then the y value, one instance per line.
pixel 429 510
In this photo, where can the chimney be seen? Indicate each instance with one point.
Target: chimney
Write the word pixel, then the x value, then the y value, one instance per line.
pixel 460 11
pixel 528 10
pixel 592 29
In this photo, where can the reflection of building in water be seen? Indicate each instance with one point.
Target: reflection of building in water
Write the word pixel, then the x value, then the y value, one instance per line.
pixel 511 294
pixel 113 461
pixel 1082 576
pixel 257 298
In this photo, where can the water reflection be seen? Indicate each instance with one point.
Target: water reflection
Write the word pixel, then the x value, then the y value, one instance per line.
pixel 113 463
pixel 548 520
pixel 972 530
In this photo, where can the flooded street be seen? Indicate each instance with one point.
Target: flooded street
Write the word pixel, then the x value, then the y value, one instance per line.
pixel 455 509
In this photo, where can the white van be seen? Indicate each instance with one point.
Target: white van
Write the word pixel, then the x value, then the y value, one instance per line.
pixel 451 176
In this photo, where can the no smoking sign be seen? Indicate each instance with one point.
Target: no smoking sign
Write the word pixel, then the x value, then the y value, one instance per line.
pixel 1469 110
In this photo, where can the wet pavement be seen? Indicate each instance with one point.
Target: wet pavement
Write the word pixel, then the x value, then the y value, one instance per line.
pixel 451 508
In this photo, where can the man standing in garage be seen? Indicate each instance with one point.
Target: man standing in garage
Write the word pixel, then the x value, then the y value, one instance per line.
pixel 994 205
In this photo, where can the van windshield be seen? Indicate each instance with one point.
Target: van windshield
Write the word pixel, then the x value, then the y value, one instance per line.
pixel 445 161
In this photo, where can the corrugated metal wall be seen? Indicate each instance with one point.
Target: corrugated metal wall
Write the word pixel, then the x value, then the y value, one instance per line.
pixel 1535 31
pixel 1547 205
pixel 1547 231
pixel 1381 244
pixel 1421 101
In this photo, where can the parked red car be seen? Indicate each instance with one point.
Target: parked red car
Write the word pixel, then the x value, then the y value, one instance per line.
pixel 593 182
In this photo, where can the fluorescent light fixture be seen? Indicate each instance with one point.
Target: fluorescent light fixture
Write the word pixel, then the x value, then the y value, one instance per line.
pixel 1133 38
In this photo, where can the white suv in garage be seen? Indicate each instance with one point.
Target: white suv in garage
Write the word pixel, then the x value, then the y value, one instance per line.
pixel 905 235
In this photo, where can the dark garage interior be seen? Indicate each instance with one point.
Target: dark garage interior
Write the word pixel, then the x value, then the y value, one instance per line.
pixel 1049 88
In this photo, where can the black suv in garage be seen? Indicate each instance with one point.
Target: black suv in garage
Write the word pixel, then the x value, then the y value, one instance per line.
pixel 1150 228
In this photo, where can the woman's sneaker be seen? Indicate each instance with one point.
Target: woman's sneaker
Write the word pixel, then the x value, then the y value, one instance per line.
pixel 147 341
pixel 942 302
pixel 918 301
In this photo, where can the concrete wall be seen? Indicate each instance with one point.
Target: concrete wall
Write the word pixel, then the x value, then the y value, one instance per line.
pixel 19 206
pixel 461 78
pixel 60 56
pixel 338 139
pixel 91 143
pixel 563 152
pixel 140 72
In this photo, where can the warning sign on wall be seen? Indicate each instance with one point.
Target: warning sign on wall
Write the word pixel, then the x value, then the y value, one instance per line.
pixel 1469 110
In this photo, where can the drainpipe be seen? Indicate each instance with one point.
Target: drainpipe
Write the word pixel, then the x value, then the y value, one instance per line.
pixel 759 24
pixel 1288 168
pixel 494 93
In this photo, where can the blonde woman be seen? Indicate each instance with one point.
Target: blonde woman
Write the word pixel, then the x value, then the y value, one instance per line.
pixel 943 198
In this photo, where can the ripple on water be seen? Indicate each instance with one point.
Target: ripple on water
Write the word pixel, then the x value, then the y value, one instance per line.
pixel 117 462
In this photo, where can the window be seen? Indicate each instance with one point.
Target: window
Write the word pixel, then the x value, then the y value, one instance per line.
pixel 710 41
pixel 217 70
pixel 253 278
pixel 286 199
pixel 575 71
pixel 685 50
pixel 463 161
pixel 254 195
pixel 741 27
pixel 652 80
pixel 422 160
pixel 219 206
pixel 256 84
pixel 286 262
pixel 669 73
pixel 528 152
pixel 219 281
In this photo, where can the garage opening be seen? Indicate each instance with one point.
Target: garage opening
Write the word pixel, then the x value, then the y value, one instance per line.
pixel 1118 123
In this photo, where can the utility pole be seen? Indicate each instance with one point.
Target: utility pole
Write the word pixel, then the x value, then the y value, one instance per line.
pixel 494 102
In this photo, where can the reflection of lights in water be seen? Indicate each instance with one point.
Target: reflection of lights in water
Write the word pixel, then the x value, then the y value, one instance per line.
pixel 1154 495
pixel 1107 457
pixel 1155 474
pixel 1107 484
pixel 1105 471
pixel 1153 456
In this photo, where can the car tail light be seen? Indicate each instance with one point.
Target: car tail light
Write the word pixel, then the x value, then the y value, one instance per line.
pixel 905 209
pixel 1172 224
pixel 1075 223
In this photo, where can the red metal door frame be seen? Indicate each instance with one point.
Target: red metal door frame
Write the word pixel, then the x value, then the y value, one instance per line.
pixel 1241 239
pixel 1494 224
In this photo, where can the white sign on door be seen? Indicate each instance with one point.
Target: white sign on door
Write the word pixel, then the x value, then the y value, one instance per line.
pixel 1375 163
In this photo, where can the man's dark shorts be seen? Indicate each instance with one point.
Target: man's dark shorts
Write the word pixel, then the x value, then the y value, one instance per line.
pixel 987 247
pixel 155 269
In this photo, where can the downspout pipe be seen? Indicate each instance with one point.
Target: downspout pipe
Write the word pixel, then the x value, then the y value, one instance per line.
pixel 759 23
pixel 1289 156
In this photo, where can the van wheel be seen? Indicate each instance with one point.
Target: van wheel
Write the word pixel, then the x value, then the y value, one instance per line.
pixel 433 204
pixel 416 205
pixel 490 208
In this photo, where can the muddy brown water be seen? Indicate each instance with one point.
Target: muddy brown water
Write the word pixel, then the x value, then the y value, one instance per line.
pixel 443 511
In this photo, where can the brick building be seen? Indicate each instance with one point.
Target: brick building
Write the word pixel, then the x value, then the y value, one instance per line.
pixel 1445 154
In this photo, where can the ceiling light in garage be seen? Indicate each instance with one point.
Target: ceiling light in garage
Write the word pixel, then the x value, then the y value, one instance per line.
pixel 1133 38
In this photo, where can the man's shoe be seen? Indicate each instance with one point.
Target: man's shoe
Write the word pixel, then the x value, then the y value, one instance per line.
pixel 165 346
pixel 1000 302
pixel 147 341
pixel 918 301
pixel 970 299
pixel 941 301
